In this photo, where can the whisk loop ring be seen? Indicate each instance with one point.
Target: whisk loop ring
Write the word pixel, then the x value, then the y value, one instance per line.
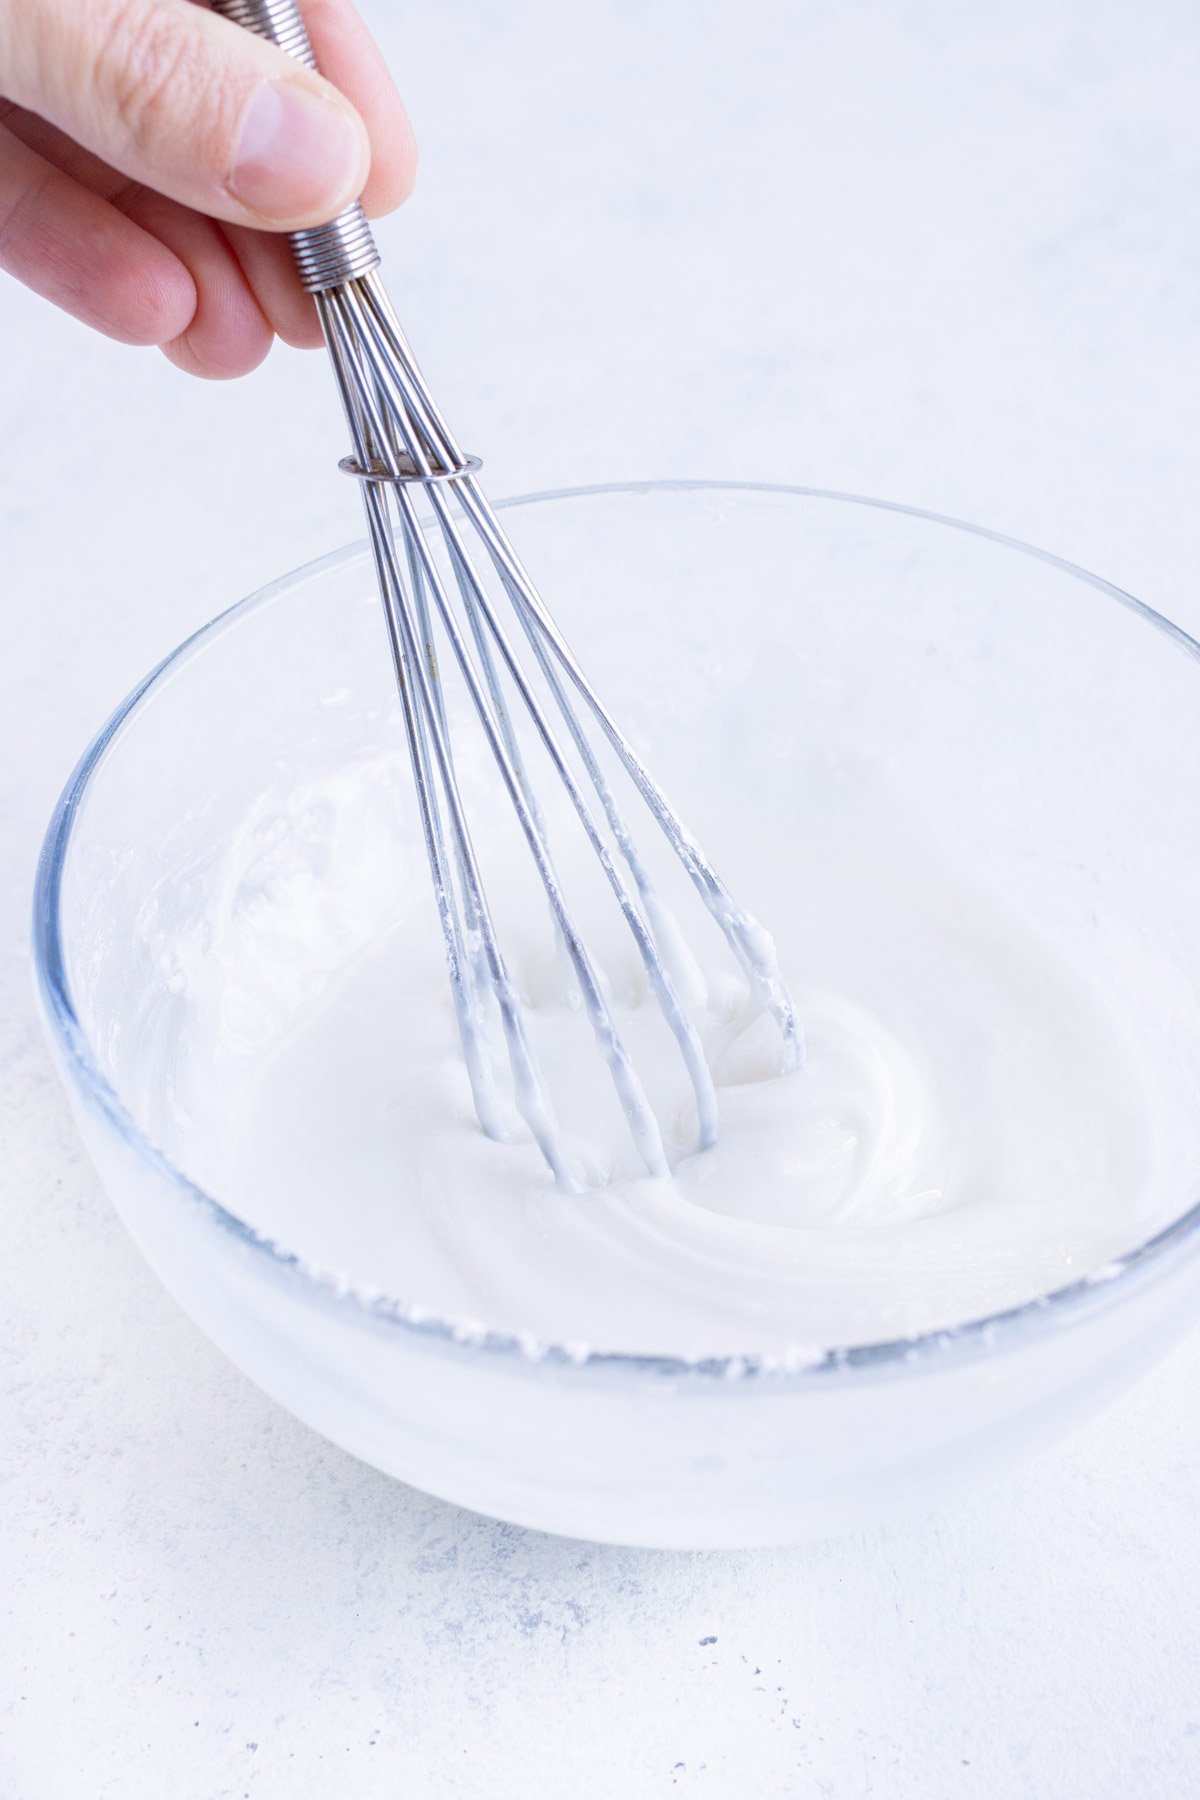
pixel 406 471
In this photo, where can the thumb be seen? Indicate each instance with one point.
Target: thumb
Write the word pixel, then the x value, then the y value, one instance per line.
pixel 188 104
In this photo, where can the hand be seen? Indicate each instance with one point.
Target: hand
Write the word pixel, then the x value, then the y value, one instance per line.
pixel 129 128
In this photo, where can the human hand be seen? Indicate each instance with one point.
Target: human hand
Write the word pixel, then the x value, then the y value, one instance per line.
pixel 147 147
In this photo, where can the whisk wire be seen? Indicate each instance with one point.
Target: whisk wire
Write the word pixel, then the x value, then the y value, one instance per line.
pixel 657 973
pixel 651 940
pixel 641 1118
pixel 429 746
pixel 402 444
pixel 530 1092
pixel 751 945
pixel 369 424
pixel 398 370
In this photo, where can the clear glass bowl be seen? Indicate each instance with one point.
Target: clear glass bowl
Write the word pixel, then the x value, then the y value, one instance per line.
pixel 1047 720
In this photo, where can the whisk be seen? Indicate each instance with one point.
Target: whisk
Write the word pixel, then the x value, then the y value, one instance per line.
pixel 402 448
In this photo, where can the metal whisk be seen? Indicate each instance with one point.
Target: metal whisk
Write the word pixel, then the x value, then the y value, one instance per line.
pixel 402 447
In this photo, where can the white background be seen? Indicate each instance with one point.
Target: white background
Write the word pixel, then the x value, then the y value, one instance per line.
pixel 938 252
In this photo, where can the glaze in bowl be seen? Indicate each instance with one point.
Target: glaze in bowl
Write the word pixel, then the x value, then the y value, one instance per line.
pixel 1048 720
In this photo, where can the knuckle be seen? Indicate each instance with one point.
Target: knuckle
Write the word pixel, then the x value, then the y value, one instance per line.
pixel 147 70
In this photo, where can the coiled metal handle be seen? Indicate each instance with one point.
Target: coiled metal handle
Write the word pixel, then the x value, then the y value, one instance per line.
pixel 326 255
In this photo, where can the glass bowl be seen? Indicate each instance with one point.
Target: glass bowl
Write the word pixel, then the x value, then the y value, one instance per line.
pixel 1049 723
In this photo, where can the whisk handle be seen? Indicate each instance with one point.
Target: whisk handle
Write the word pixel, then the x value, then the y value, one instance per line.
pixel 326 255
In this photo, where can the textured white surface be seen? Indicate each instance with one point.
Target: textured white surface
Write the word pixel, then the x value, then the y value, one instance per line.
pixel 943 254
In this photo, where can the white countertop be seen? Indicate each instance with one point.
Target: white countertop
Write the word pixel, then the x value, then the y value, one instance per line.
pixel 941 254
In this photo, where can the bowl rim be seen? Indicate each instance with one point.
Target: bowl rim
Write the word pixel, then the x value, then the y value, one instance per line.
pixel 1061 1308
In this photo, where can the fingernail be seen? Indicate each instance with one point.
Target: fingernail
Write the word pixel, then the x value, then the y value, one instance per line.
pixel 297 154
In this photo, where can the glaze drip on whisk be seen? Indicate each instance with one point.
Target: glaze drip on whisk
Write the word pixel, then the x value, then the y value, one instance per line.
pixel 403 451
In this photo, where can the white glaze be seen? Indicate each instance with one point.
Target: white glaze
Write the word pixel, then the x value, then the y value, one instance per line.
pixel 969 1130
